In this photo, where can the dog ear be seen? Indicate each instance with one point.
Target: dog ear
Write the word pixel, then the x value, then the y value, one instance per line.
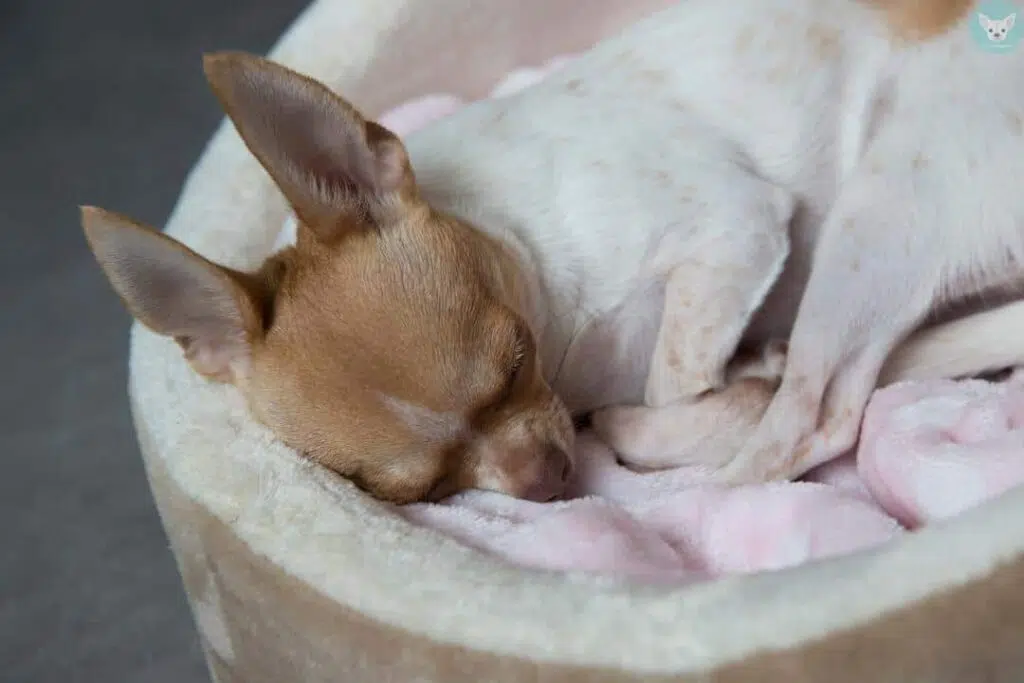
pixel 1009 21
pixel 333 166
pixel 984 20
pixel 211 311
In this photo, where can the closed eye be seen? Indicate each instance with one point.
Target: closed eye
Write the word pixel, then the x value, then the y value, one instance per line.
pixel 518 360
pixel 520 350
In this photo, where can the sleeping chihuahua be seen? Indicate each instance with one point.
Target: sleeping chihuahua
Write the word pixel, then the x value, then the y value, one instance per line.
pixel 635 236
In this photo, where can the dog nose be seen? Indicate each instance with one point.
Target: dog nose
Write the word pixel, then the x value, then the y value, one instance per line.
pixel 555 474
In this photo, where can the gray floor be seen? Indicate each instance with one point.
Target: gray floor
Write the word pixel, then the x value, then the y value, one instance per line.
pixel 101 102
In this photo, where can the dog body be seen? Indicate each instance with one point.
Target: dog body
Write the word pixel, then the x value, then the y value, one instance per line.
pixel 658 177
pixel 669 193
pixel 717 178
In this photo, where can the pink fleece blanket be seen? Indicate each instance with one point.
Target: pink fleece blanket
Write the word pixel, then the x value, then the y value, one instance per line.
pixel 928 450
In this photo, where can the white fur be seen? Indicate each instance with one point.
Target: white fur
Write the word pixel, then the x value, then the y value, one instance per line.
pixel 432 424
pixel 648 189
pixel 203 448
pixel 288 235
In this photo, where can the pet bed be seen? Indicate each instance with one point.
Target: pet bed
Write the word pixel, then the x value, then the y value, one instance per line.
pixel 293 575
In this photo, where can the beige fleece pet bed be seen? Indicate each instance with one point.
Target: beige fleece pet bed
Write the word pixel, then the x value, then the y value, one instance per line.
pixel 295 577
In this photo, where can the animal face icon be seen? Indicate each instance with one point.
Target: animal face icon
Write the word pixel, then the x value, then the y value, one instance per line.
pixel 997 29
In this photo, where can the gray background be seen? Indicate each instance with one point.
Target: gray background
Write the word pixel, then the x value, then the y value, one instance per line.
pixel 101 102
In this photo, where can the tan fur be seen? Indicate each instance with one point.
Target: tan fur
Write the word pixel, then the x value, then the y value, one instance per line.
pixel 303 337
pixel 922 19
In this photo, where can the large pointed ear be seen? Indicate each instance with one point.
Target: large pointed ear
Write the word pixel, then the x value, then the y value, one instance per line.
pixel 211 311
pixel 331 164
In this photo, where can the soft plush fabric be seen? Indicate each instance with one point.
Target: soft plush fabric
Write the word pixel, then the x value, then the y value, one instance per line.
pixel 929 447
pixel 930 450
pixel 294 575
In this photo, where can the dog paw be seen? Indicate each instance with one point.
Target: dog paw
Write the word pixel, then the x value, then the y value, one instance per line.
pixel 625 429
pixel 708 431
pixel 772 454
pixel 667 388
pixel 765 362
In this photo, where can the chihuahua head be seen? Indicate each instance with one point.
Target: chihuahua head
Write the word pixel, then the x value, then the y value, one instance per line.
pixel 388 343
